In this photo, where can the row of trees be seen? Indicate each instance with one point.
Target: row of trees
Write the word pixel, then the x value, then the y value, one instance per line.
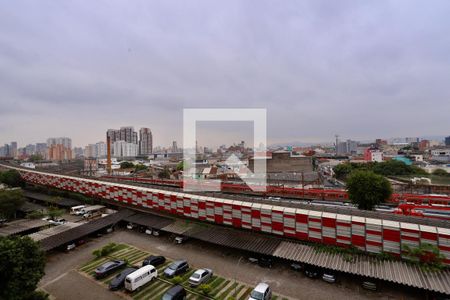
pixel 387 168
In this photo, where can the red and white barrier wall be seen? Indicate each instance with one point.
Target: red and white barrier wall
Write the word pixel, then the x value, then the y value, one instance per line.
pixel 367 234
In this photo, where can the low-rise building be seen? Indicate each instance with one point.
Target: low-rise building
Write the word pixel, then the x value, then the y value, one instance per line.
pixel 373 155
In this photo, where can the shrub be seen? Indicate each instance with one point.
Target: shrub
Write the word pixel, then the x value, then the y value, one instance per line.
pixel 206 289
pixel 177 279
pixel 105 250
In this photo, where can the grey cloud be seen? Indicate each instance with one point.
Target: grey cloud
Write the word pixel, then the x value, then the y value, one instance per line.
pixel 358 68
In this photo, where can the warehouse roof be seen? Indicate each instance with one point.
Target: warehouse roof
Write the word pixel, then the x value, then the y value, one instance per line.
pixel 83 230
pixel 390 270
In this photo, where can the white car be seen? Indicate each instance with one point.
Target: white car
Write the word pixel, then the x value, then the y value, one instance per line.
pixel 200 276
pixel 261 292
pixel 58 221
pixel 130 226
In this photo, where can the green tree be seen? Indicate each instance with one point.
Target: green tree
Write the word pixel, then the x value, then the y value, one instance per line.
pixel 140 167
pixel 426 255
pixel 12 178
pixel 440 172
pixel 367 189
pixel 22 265
pixel 164 174
pixel 54 212
pixel 341 171
pixel 126 165
pixel 10 201
pixel 182 165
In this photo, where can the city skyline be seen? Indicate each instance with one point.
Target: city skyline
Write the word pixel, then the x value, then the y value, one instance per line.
pixel 358 69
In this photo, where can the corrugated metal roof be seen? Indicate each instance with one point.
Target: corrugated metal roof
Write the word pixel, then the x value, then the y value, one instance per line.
pixel 179 227
pixel 83 230
pixel 248 241
pixel 40 235
pixel 64 202
pixel 20 226
pixel 393 271
pixel 149 220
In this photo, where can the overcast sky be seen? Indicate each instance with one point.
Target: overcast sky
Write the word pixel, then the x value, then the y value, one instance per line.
pixel 362 69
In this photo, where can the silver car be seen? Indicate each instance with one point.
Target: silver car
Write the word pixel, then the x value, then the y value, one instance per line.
pixel 261 292
pixel 200 276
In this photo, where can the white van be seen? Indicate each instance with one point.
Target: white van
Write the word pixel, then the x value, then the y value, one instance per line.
pixel 140 277
pixel 75 210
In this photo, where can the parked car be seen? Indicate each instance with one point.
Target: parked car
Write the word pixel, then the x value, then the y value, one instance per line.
pixel 154 260
pixel 329 277
pixel 119 281
pixel 175 293
pixel 200 276
pixel 140 277
pixel 130 226
pixel 265 262
pixel 296 266
pixel 109 267
pixel 148 231
pixel 58 221
pixel 181 239
pixel 155 232
pixel 261 292
pixel 176 268
pixel 70 247
pixel 369 285
pixel 312 272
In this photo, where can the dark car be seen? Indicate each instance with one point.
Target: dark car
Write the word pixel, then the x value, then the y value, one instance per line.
pixel 109 267
pixel 119 281
pixel 154 260
pixel 175 293
pixel 312 272
pixel 176 268
pixel 296 267
pixel 265 262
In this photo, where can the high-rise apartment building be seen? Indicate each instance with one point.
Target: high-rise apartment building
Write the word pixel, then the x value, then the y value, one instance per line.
pixel 447 141
pixel 113 134
pixel 41 149
pixel 13 150
pixel 30 149
pixel 125 134
pixel 128 134
pixel 59 152
pixel 174 147
pixel 65 141
pixel 347 147
pixel 101 149
pixel 124 149
pixel 145 141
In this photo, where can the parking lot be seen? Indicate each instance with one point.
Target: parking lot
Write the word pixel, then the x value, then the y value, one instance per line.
pixel 222 288
pixel 226 263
